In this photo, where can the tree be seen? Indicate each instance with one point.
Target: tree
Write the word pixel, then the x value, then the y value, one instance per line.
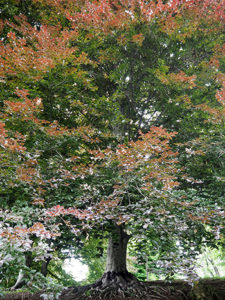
pixel 88 90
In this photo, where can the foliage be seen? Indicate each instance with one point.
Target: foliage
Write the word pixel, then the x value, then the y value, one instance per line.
pixel 111 112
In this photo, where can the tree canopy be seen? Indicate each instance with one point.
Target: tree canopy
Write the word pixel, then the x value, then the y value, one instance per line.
pixel 112 126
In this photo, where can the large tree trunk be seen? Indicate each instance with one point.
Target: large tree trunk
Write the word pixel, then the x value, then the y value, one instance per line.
pixel 116 273
pixel 116 282
pixel 117 251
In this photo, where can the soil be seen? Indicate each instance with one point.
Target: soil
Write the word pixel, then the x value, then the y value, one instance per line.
pixel 210 289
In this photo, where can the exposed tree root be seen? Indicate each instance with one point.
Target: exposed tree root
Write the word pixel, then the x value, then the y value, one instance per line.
pixel 213 289
pixel 118 286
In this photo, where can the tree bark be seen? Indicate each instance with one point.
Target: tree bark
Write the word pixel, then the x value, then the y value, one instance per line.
pixel 116 274
pixel 117 251
pixel 44 266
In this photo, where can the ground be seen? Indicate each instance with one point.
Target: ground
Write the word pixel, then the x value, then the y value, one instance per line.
pixel 208 289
